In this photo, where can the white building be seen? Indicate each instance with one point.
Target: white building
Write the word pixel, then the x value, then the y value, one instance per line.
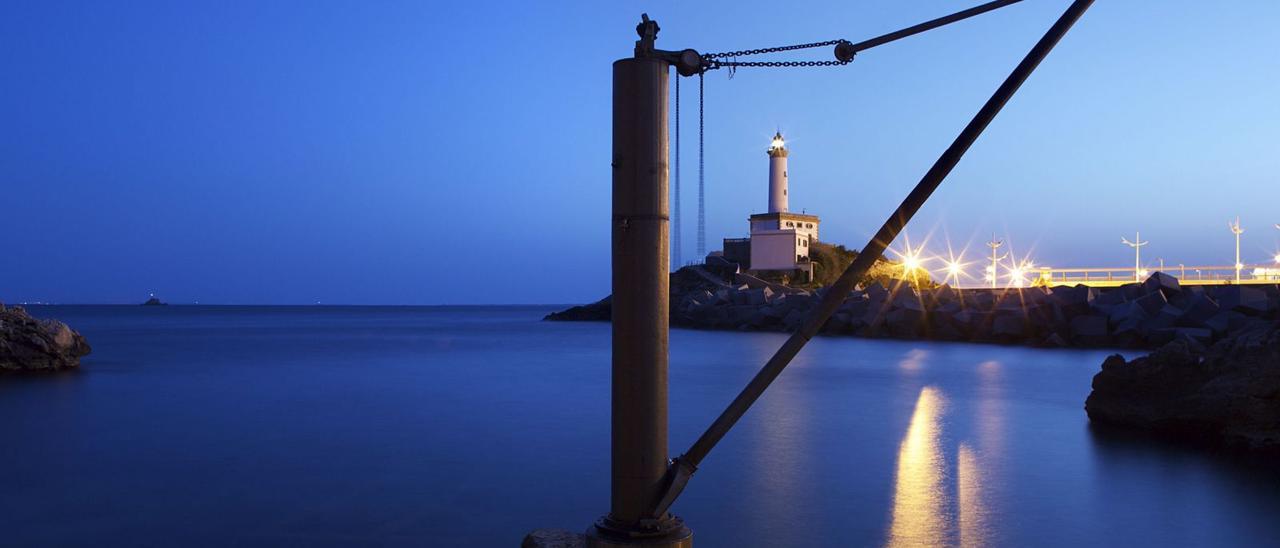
pixel 780 240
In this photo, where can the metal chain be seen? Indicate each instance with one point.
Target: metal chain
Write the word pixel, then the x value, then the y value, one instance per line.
pixel 735 64
pixel 715 60
pixel 746 52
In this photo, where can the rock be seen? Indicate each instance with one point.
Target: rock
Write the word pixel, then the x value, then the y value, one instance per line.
pixel 1161 336
pixel 1054 340
pixel 1151 303
pixel 1127 312
pixel 1009 327
pixel 837 323
pixel 1089 330
pixel 793 320
pixel 1074 300
pixel 553 538
pixel 28 344
pixel 904 322
pixel 1248 300
pixel 1132 291
pixel 1112 296
pixel 1219 323
pixel 946 331
pixel 1198 311
pixel 1147 314
pixel 876 292
pixel 1200 335
pixel 599 311
pixel 1228 394
pixel 1164 283
pixel 1167 317
pixel 909 299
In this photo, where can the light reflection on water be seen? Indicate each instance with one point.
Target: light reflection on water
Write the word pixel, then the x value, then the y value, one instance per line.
pixel 939 493
pixel 920 500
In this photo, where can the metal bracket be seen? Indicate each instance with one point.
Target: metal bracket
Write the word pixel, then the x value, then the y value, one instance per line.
pixel 678 473
pixel 688 62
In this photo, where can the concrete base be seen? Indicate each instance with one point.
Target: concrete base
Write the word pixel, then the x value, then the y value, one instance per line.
pixel 553 538
pixel 680 537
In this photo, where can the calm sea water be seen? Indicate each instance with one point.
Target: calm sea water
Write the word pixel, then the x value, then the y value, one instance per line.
pixel 453 426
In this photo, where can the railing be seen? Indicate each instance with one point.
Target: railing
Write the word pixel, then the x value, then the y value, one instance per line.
pixel 1187 275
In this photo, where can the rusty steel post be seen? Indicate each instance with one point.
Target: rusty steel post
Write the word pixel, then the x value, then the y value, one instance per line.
pixel 641 263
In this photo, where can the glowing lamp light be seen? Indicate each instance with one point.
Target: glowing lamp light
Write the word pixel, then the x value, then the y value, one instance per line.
pixel 1144 273
pixel 956 269
pixel 1239 266
pixel 1278 259
pixel 777 143
pixel 910 262
pixel 1016 277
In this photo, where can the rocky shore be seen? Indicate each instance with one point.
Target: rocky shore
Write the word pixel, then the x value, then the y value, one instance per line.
pixel 1136 315
pixel 1228 394
pixel 30 344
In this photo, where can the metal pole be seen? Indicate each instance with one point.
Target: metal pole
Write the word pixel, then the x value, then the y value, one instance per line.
pixel 641 265
pixel 929 25
pixel 1137 258
pixel 686 464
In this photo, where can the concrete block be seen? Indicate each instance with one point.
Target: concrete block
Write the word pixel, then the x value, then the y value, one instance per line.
pixel 1164 283
pixel 1152 302
pixel 1089 330
pixel 1009 326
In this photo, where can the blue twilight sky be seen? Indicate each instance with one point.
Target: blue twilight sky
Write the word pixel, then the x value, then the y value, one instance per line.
pixel 458 152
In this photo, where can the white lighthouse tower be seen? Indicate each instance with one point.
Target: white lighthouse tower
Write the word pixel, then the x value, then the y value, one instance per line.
pixel 780 240
pixel 778 174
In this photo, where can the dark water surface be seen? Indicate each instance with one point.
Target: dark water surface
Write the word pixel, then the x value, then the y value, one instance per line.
pixel 453 426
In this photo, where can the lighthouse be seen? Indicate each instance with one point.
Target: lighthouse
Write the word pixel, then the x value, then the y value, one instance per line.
pixel 780 240
pixel 778 174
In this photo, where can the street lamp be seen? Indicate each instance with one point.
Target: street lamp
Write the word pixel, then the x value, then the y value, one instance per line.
pixel 1136 244
pixel 1235 229
pixel 995 261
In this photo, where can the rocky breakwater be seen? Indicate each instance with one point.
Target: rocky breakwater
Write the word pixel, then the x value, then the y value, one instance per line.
pixel 30 344
pixel 1227 394
pixel 1140 315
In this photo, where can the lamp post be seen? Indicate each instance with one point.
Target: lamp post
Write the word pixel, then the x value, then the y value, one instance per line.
pixel 1136 244
pixel 1235 229
pixel 994 269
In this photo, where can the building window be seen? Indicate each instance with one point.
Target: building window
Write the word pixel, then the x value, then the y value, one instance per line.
pixel 809 225
pixel 789 223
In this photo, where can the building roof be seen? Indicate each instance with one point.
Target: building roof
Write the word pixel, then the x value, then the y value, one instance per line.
pixel 780 215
